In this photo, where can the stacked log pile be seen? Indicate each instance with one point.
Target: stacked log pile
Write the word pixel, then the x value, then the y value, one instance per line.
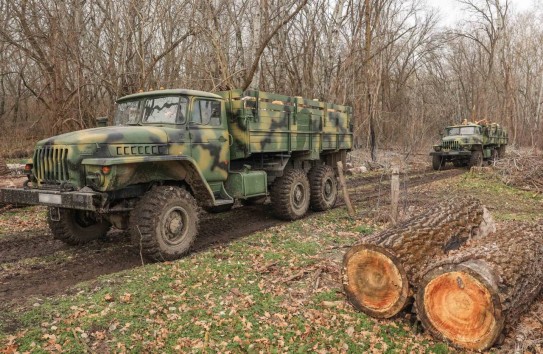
pixel 469 297
pixel 382 273
pixel 466 293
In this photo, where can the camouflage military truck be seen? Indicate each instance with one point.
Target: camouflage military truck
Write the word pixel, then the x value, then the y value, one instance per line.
pixel 469 145
pixel 171 152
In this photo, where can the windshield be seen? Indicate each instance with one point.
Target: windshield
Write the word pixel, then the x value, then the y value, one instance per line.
pixel 153 110
pixel 127 113
pixel 463 131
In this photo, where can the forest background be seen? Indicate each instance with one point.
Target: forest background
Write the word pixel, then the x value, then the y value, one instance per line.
pixel 63 63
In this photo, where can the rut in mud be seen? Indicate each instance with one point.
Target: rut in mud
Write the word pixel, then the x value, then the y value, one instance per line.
pixel 33 264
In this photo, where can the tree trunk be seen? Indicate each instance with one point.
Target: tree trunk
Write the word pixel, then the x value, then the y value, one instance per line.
pixel 469 297
pixel 378 274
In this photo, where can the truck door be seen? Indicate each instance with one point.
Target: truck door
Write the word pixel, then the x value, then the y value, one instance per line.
pixel 209 138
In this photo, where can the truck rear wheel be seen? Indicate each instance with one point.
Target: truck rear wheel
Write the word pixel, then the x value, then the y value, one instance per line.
pixel 164 223
pixel 476 159
pixel 501 151
pixel 76 227
pixel 437 162
pixel 322 180
pixel 290 195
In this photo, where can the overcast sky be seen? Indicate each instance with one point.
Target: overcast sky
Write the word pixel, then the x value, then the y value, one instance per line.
pixel 451 10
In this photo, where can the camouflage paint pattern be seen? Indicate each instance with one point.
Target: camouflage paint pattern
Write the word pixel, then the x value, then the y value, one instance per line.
pixel 262 122
pixel 111 158
pixel 486 137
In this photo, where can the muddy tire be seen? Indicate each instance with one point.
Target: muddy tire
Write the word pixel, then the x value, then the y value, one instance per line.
pixel 164 223
pixel 437 162
pixel 476 159
pixel 323 182
pixel 290 195
pixel 76 227
pixel 501 151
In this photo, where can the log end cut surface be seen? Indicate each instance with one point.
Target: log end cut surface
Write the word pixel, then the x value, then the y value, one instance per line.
pixel 374 281
pixel 461 308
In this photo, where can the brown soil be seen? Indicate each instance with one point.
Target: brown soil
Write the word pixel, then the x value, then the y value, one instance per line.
pixel 34 264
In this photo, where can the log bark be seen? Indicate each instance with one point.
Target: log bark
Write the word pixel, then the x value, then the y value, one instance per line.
pixel 472 295
pixel 381 273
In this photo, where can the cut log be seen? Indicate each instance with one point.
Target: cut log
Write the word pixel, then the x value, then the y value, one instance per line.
pixel 469 297
pixel 381 273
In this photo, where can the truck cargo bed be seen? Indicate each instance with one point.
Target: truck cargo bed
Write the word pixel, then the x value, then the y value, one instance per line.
pixel 262 122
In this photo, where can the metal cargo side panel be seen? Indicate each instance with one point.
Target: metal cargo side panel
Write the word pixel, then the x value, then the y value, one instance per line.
pixel 269 130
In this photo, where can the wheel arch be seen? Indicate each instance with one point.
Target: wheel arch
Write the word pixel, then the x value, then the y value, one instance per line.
pixel 169 170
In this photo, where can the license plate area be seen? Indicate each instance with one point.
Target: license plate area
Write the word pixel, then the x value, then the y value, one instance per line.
pixel 50 198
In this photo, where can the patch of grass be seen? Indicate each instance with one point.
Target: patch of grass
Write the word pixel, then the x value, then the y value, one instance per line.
pixel 505 202
pixel 254 295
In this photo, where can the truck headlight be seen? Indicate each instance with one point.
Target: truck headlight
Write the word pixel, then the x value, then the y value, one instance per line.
pixel 437 148
pixel 95 179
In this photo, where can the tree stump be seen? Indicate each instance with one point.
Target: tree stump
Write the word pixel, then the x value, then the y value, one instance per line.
pixel 380 273
pixel 469 297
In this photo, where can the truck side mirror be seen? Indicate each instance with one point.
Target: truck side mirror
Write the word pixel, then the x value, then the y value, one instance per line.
pixel 101 122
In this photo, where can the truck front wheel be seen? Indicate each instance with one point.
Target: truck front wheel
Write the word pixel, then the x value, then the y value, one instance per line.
pixel 322 180
pixel 164 223
pixel 290 195
pixel 476 159
pixel 76 227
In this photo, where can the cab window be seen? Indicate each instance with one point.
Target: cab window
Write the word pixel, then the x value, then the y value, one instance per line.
pixel 206 112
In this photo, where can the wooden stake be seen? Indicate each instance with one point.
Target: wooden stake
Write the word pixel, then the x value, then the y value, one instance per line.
pixel 394 194
pixel 343 184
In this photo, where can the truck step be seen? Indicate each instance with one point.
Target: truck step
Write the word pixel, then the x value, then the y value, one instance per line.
pixel 223 201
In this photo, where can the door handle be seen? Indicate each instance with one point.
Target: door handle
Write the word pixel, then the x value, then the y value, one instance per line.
pixel 222 139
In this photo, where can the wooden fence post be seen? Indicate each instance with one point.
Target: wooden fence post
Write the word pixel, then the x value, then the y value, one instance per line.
pixel 343 184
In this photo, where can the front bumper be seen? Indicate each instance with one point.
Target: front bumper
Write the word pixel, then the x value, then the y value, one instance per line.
pixel 451 153
pixel 91 201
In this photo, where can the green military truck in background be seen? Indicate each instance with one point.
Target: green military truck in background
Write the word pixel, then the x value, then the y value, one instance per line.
pixel 470 144
pixel 171 152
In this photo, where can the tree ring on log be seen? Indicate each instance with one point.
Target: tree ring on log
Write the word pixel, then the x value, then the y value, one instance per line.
pixel 374 281
pixel 457 303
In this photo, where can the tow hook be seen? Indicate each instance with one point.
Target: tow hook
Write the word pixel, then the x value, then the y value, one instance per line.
pixel 54 214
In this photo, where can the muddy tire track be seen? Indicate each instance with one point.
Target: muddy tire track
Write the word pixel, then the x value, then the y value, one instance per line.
pixel 34 264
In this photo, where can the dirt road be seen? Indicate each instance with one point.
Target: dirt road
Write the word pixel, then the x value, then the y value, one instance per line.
pixel 32 263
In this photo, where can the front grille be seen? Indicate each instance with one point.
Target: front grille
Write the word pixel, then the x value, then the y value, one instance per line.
pixel 451 145
pixel 51 164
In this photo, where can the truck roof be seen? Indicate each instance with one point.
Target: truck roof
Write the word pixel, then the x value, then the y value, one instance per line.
pixel 170 92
